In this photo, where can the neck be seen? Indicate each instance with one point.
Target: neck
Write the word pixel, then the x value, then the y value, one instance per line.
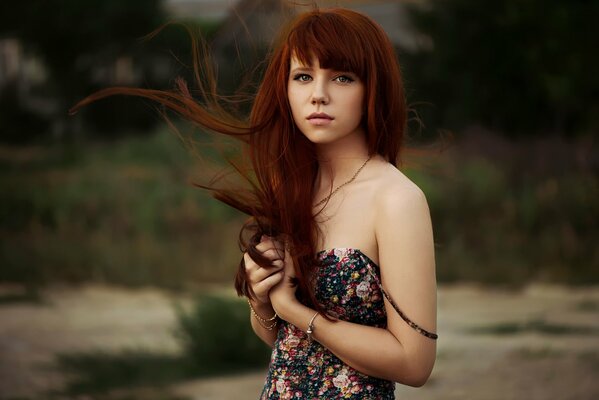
pixel 339 161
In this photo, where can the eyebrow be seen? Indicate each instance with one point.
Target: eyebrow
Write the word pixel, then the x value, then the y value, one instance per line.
pixel 301 69
pixel 309 69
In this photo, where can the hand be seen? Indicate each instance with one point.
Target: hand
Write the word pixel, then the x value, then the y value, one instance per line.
pixel 282 295
pixel 261 280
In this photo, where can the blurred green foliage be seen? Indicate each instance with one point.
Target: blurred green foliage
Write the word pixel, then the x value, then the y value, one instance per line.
pixel 114 212
pixel 521 67
pixel 123 213
pixel 216 338
pixel 216 334
pixel 501 220
pixel 100 373
pixel 19 124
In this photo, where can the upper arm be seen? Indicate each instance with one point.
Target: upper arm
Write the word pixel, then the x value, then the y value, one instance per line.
pixel 406 257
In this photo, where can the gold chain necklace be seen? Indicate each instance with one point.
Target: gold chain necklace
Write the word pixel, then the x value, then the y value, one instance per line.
pixel 343 184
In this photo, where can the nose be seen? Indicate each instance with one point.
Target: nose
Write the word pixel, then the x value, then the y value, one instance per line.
pixel 319 100
pixel 319 96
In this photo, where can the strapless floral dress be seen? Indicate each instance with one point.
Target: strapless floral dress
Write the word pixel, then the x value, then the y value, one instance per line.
pixel 348 286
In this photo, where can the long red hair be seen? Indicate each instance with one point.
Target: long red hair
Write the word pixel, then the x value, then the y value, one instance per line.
pixel 283 165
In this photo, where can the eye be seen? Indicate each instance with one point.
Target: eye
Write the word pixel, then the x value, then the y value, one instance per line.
pixel 344 79
pixel 302 77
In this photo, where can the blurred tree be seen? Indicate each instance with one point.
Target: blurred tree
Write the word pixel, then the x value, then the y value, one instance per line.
pixel 517 66
pixel 80 43
pixel 18 124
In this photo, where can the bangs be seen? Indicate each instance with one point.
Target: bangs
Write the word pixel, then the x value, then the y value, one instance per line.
pixel 333 39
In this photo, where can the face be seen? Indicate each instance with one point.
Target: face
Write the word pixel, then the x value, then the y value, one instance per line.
pixel 327 105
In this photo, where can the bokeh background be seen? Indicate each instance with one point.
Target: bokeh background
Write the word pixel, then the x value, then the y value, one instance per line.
pixel 116 272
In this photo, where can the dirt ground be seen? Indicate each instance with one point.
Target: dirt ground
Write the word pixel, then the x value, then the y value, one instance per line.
pixel 538 343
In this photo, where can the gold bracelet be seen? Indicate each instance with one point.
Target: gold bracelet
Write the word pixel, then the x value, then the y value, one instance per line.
pixel 259 317
pixel 311 327
pixel 269 327
pixel 262 321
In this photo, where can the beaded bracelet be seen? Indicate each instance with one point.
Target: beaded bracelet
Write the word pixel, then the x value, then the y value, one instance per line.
pixel 263 321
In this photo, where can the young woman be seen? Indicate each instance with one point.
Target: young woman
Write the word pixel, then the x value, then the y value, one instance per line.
pixel 342 87
pixel 340 269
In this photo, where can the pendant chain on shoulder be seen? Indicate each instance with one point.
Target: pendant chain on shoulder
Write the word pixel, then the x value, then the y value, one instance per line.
pixel 343 184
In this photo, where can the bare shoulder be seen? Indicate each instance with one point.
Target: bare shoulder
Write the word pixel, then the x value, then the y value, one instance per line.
pixel 396 193
pixel 401 208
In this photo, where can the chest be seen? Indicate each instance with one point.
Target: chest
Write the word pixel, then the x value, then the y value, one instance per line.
pixel 349 221
pixel 348 287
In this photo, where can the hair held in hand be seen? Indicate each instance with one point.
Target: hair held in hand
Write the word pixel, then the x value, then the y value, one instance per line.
pixel 279 165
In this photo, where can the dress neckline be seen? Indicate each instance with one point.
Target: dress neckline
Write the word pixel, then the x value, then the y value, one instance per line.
pixel 349 249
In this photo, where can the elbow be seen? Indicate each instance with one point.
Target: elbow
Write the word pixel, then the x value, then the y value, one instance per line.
pixel 416 379
pixel 419 380
pixel 418 375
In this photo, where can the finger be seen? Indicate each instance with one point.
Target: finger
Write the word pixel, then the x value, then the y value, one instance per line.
pixel 258 274
pixel 271 249
pixel 275 240
pixel 274 254
pixel 248 262
pixel 270 242
pixel 271 255
pixel 266 284
pixel 251 266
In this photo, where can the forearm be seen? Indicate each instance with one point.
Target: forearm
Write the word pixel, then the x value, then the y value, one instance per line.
pixel 370 350
pixel 266 311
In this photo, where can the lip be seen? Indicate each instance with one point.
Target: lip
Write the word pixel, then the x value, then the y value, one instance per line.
pixel 319 119
pixel 320 116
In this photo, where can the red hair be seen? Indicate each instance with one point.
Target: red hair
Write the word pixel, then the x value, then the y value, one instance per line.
pixel 283 161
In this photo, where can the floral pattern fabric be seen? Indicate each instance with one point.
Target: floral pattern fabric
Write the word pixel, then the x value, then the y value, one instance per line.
pixel 347 287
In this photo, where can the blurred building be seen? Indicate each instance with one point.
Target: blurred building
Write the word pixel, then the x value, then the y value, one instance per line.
pixel 261 19
pixel 204 9
pixel 247 28
pixel 20 73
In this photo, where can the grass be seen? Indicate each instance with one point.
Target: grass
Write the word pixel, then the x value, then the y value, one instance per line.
pixel 217 336
pixel 534 326
pixel 538 353
pixel 588 306
pixel 591 358
pixel 216 339
pixel 101 373
pixel 21 295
